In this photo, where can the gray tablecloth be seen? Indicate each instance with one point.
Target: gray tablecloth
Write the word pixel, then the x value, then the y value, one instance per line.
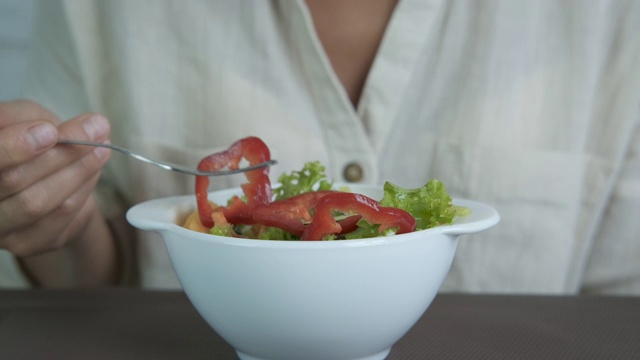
pixel 132 324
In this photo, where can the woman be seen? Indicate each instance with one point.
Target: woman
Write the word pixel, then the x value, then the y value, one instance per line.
pixel 529 106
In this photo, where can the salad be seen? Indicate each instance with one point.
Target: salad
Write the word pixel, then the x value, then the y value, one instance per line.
pixel 305 205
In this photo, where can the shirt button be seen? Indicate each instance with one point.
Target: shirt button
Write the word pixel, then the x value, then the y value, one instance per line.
pixel 353 172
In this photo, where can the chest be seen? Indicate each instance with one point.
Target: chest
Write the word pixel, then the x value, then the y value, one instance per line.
pixel 351 33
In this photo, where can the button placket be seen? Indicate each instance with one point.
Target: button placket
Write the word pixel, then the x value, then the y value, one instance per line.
pixel 344 133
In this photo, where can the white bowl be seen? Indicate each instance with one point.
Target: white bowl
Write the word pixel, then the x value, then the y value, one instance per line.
pixel 347 299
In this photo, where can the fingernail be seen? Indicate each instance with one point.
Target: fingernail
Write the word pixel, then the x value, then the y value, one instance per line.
pixel 96 127
pixel 42 136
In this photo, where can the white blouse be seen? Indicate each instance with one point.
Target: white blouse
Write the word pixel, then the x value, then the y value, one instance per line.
pixel 530 106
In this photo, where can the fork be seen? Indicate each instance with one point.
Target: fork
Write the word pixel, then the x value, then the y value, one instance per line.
pixel 166 165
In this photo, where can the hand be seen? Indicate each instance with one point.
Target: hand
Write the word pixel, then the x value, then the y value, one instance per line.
pixel 46 200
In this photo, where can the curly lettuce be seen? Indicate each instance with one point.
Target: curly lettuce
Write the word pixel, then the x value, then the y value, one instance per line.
pixel 273 233
pixel 430 204
pixel 368 230
pixel 312 177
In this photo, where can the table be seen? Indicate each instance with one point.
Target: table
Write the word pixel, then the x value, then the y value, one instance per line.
pixel 136 324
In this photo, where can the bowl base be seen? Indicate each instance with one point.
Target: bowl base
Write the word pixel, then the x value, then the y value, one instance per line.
pixel 378 356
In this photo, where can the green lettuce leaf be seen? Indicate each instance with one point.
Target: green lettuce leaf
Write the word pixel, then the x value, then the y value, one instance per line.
pixel 312 177
pixel 273 233
pixel 430 205
pixel 367 230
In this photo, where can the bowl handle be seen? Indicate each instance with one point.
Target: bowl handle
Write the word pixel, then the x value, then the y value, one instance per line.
pixel 482 217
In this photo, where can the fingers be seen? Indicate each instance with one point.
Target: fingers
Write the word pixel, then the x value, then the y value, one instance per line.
pixel 16 178
pixel 60 175
pixel 90 127
pixel 26 130
pixel 45 189
pixel 15 111
pixel 23 141
pixel 57 228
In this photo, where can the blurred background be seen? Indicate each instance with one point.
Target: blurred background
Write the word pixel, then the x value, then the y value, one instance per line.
pixel 15 29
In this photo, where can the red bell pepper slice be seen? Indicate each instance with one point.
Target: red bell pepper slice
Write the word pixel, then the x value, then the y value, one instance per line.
pixel 257 190
pixel 289 214
pixel 324 223
pixel 294 214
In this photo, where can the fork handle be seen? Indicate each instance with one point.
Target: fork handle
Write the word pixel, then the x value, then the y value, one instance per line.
pixel 167 165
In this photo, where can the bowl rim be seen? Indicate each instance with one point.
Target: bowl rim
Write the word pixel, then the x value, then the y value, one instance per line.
pixel 159 215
